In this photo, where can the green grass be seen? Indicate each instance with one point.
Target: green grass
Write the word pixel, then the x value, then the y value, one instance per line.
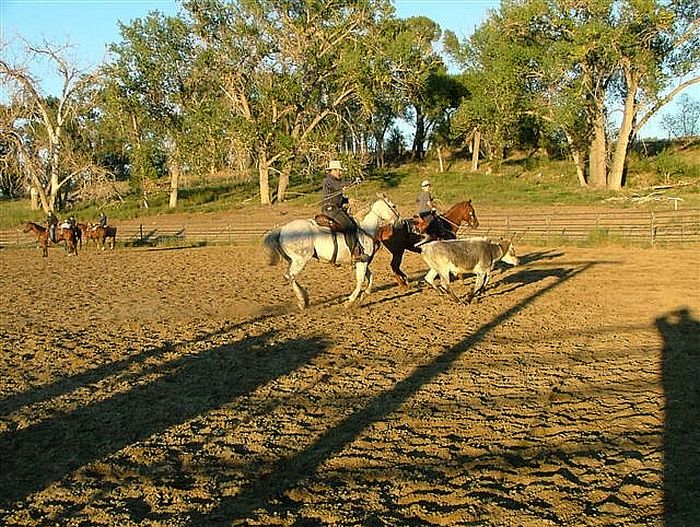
pixel 524 181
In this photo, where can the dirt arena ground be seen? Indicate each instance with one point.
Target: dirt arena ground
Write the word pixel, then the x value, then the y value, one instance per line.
pixel 182 387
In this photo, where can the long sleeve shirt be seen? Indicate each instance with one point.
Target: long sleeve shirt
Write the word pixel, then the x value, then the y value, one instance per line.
pixel 424 201
pixel 333 191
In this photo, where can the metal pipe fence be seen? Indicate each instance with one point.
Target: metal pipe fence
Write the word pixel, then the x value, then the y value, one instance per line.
pixel 633 227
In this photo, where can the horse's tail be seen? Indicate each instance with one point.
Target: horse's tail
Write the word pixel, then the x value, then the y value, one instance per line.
pixel 272 244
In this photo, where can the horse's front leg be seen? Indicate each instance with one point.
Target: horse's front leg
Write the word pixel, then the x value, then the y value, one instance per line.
pixel 399 275
pixel 369 278
pixel 361 269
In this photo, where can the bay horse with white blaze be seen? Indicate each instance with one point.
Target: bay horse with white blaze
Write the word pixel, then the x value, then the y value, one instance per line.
pixel 298 241
pixel 403 237
pixel 62 234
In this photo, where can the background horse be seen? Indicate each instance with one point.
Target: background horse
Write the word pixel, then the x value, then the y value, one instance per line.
pixel 402 237
pixel 100 234
pixel 42 235
pixel 301 240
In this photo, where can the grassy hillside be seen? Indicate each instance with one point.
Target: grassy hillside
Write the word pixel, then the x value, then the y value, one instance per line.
pixel 654 178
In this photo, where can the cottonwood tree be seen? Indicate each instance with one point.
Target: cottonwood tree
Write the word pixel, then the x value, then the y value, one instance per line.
pixel 152 80
pixel 40 126
pixel 16 161
pixel 289 70
pixel 590 60
pixel 414 61
pixel 494 76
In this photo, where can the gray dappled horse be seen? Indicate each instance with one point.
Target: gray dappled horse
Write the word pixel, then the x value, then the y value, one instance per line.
pixel 301 240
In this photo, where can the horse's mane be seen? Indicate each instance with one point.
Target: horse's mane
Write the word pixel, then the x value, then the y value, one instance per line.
pixel 459 204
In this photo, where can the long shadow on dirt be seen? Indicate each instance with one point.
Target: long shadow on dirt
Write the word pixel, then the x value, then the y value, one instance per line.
pixel 681 380
pixel 89 377
pixel 288 472
pixel 186 387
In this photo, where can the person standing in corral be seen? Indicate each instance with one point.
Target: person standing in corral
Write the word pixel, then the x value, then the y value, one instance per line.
pixel 51 223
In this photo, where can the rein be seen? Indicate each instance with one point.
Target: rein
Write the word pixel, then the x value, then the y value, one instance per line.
pixel 335 194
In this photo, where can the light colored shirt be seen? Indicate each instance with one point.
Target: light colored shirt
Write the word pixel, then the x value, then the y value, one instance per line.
pixel 425 202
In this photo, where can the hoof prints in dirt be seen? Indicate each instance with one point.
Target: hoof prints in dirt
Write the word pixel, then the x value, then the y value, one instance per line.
pixel 181 396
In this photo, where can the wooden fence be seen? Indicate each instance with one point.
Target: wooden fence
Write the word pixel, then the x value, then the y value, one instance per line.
pixel 668 227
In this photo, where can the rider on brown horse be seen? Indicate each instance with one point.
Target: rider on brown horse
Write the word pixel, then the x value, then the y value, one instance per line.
pixel 101 221
pixel 432 224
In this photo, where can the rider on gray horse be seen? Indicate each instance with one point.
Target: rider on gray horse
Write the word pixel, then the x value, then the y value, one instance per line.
pixel 335 207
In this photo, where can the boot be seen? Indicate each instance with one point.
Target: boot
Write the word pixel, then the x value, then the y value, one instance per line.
pixel 358 255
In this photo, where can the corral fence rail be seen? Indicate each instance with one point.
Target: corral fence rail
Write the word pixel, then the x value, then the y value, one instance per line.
pixel 625 226
pixel 678 227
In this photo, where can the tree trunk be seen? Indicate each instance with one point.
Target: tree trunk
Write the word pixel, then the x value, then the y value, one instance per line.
pixel 617 169
pixel 34 197
pixel 476 147
pixel 264 177
pixel 174 184
pixel 42 193
pixel 419 138
pixel 578 158
pixel 53 177
pixel 283 183
pixel 439 153
pixel 597 161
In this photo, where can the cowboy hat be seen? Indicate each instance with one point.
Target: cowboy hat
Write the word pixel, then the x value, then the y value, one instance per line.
pixel 334 164
pixel 425 183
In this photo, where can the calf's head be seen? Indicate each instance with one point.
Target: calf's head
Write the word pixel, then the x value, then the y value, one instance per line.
pixel 509 255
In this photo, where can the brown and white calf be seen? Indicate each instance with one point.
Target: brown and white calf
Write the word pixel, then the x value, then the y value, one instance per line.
pixel 476 255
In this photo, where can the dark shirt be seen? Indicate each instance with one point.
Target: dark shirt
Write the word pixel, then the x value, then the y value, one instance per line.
pixel 333 191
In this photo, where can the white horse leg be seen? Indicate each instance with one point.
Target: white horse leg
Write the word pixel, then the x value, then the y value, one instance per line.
pixel 360 273
pixel 369 278
pixel 295 267
pixel 301 294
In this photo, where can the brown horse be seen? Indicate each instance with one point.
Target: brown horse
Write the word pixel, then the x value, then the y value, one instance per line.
pixel 62 235
pixel 100 234
pixel 410 233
